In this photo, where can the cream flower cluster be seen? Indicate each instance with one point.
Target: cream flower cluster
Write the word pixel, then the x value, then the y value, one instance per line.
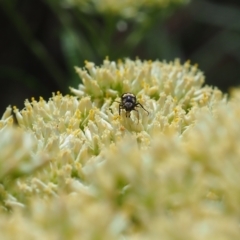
pixel 172 174
pixel 125 8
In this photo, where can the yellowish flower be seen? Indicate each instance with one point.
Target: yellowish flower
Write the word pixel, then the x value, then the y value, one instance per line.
pixel 7 119
pixel 113 177
pixel 125 8
pixel 74 131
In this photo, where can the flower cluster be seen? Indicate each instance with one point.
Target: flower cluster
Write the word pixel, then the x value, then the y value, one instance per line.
pixel 125 8
pixel 84 171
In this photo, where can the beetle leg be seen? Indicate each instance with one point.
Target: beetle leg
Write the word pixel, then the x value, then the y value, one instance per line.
pixel 142 107
pixel 128 114
pixel 119 109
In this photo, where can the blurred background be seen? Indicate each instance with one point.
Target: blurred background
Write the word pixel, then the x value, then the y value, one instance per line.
pixel 42 40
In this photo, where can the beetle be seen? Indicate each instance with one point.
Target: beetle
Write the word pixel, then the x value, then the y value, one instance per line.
pixel 129 103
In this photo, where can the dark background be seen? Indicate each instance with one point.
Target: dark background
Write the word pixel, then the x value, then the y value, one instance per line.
pixel 42 40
